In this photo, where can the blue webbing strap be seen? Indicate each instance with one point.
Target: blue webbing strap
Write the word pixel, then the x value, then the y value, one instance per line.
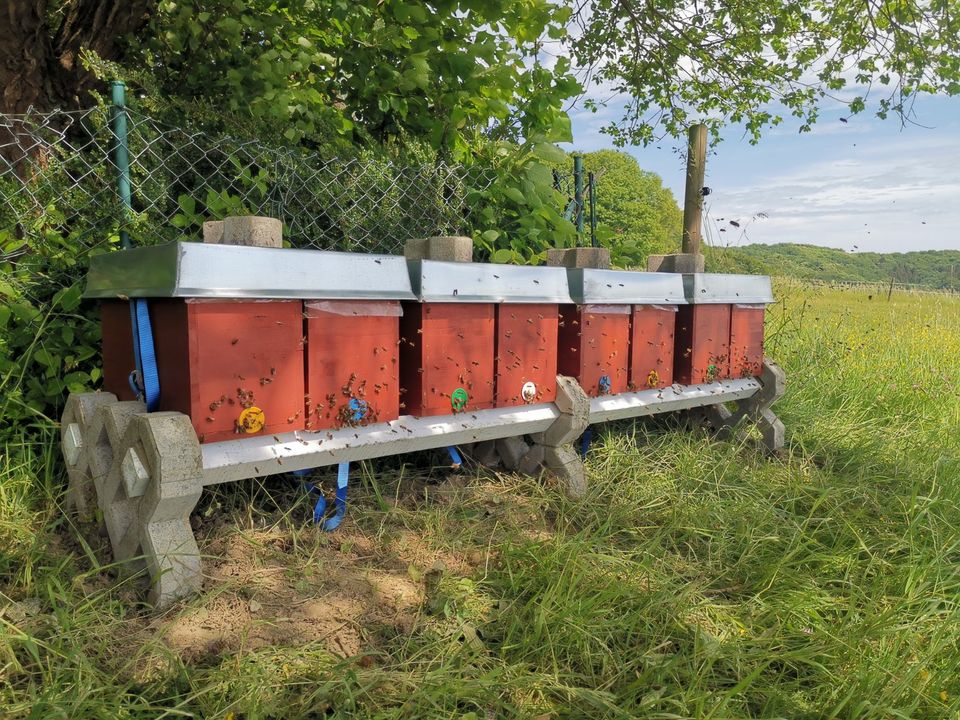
pixel 339 502
pixel 585 442
pixel 144 355
pixel 455 456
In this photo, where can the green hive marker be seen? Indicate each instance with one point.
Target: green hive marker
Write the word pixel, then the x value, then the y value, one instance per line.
pixel 458 399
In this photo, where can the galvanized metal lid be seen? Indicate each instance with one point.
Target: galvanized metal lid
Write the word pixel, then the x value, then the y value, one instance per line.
pixel 435 281
pixel 181 269
pixel 714 288
pixel 591 286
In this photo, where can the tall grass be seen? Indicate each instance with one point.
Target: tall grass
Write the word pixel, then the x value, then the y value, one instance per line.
pixel 698 579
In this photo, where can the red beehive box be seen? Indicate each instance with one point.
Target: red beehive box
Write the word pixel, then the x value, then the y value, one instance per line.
pixel 446 357
pixel 526 324
pixel 353 371
pixel 619 336
pixel 229 327
pixel 447 340
pixel 234 366
pixel 526 353
pixel 651 346
pixel 720 333
pixel 746 340
pixel 594 347
pixel 703 344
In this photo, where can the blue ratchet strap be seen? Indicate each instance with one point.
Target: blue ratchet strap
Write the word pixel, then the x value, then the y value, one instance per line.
pixel 585 442
pixel 144 355
pixel 340 499
pixel 455 456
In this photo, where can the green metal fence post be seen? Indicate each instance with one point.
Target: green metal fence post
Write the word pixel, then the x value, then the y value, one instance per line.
pixel 592 188
pixel 578 194
pixel 121 153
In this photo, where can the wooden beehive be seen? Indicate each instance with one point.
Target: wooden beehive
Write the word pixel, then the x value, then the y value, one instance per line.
pixel 238 351
pixel 720 331
pixel 619 335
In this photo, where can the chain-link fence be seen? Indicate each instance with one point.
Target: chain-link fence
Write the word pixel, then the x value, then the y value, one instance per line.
pixel 58 173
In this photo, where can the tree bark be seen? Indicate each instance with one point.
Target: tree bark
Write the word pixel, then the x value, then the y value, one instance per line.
pixel 40 51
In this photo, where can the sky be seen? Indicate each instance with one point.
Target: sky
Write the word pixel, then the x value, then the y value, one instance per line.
pixel 864 185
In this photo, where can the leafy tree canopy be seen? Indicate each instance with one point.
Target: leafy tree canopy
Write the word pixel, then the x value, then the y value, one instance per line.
pixel 754 61
pixel 444 71
pixel 639 216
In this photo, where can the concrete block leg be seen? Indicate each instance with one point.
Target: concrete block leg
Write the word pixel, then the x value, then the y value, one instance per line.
pixel 86 452
pixel 552 450
pixel 120 508
pixel 485 453
pixel 755 409
pixel 172 464
pixel 566 468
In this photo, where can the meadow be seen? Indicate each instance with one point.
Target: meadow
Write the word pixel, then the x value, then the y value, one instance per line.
pixel 698 579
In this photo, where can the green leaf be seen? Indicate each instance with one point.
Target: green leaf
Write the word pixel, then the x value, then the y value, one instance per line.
pixel 548 152
pixel 187 203
pixel 503 256
pixel 514 194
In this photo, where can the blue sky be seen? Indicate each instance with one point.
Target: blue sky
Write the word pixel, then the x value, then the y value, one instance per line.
pixel 867 185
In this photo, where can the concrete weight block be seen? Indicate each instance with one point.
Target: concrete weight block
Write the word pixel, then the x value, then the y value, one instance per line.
pixel 252 230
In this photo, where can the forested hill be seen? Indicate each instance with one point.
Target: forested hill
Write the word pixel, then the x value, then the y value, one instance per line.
pixel 932 268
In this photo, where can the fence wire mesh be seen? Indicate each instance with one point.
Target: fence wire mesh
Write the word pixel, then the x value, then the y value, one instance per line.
pixel 58 175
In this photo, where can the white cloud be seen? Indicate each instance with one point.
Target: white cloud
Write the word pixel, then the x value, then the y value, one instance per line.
pixel 891 196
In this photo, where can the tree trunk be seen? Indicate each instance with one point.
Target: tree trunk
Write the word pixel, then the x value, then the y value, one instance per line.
pixel 40 62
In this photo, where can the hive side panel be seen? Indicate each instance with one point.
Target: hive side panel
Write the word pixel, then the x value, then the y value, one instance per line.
pixel 352 374
pixel 526 352
pixel 245 357
pixel 568 342
pixel 651 346
pixel 457 357
pixel 116 347
pixel 411 359
pixel 746 340
pixel 171 338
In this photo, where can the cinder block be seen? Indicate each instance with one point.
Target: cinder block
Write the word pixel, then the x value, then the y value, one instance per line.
pixel 512 450
pixel 446 248
pixel 772 430
pixel 678 263
pixel 532 462
pixel 253 230
pixel 583 257
pixel 213 232
pixel 171 453
pixel 485 453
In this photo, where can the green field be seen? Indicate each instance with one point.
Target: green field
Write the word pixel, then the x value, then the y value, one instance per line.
pixel 698 579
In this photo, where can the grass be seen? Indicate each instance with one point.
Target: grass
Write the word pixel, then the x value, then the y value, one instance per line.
pixel 698 579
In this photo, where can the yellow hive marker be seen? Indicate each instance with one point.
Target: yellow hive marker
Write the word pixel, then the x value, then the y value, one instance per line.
pixel 252 420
